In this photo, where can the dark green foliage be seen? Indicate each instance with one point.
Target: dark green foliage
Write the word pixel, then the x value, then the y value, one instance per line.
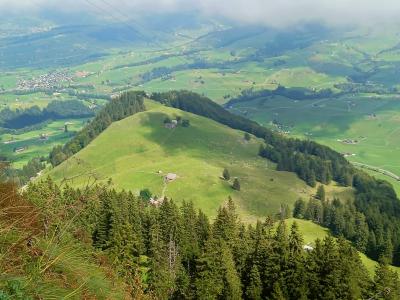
pixel 56 110
pixel 185 123
pixel 126 105
pixel 254 289
pixel 236 184
pixel 370 222
pixel 247 136
pixel 295 93
pixel 167 120
pixel 320 193
pixel 299 210
pixel 145 194
pixel 386 283
pixel 226 175
pixel 186 257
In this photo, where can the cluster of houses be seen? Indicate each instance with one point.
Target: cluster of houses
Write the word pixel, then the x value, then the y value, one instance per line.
pixel 45 81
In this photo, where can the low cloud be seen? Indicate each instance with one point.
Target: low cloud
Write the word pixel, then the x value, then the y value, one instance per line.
pixel 279 13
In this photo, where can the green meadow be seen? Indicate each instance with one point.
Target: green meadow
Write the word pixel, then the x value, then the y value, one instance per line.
pixel 33 145
pixel 137 153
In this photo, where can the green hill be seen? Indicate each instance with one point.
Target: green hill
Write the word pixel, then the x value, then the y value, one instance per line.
pixel 137 153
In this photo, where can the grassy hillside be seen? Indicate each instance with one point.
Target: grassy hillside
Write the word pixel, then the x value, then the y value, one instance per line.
pixel 142 147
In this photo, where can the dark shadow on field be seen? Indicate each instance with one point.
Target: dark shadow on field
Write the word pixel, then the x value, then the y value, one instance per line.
pixel 325 117
pixel 202 139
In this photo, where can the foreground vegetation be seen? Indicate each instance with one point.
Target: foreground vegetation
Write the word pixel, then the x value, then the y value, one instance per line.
pixel 168 252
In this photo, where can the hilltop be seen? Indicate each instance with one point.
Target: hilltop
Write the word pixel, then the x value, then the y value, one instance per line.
pixel 143 152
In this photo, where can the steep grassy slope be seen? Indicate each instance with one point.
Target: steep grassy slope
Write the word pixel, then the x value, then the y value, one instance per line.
pixel 131 153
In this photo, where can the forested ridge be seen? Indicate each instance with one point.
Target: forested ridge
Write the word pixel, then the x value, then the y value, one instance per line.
pixel 176 252
pixel 375 200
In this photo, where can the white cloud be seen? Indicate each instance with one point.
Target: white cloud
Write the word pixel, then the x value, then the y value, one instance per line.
pixel 269 12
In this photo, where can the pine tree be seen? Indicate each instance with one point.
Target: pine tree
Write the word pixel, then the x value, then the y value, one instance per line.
pixel 277 293
pixel 203 228
pixel 299 209
pixel 386 283
pixel 254 286
pixel 236 184
pixel 232 286
pixel 320 193
pixel 209 277
pixel 226 175
pixel 277 263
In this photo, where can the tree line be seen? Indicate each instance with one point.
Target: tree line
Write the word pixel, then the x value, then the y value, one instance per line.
pixel 125 105
pixel 55 110
pixel 295 93
pixel 370 231
pixel 176 252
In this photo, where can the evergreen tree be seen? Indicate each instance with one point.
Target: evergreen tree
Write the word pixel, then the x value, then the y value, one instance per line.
pixel 236 184
pixel 254 287
pixel 232 289
pixel 320 193
pixel 145 194
pixel 209 277
pixel 226 175
pixel 299 209
pixel 386 283
pixel 277 293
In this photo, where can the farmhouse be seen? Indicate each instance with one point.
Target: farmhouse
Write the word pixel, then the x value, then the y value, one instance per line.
pixel 171 177
pixel 156 201
pixel 43 137
pixel 19 149
pixel 171 125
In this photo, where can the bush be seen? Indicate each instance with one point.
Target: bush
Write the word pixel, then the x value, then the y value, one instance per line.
pixel 185 123
pixel 145 194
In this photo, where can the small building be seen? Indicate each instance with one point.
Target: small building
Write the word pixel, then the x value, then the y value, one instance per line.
pixel 308 248
pixel 43 137
pixel 156 201
pixel 19 149
pixel 171 125
pixel 171 177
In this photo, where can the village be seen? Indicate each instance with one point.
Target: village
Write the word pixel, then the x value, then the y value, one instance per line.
pixel 46 81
